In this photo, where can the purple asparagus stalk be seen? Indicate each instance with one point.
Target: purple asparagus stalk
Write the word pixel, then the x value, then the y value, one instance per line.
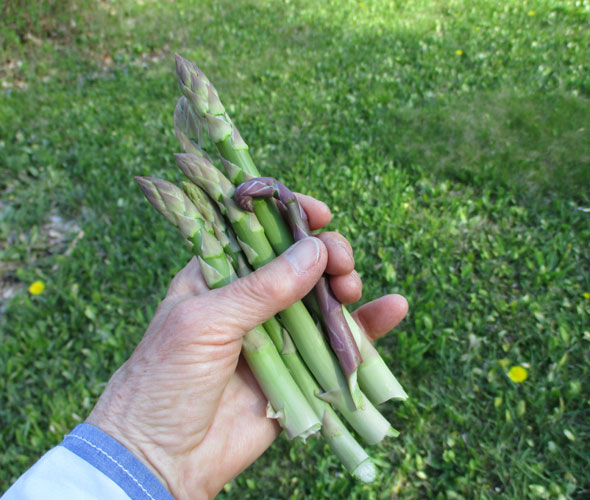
pixel 339 334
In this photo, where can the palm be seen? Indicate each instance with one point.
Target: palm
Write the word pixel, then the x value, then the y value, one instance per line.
pixel 238 432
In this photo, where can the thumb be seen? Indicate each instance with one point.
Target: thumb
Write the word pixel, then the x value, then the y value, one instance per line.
pixel 253 299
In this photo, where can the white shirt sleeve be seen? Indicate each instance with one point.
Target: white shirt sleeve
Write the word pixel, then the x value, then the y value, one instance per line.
pixel 88 465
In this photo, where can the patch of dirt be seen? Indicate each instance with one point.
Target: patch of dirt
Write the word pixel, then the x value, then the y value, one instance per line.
pixel 56 235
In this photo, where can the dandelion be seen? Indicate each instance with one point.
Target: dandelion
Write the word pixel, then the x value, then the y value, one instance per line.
pixel 532 13
pixel 361 4
pixel 459 52
pixel 517 374
pixel 586 295
pixel 36 287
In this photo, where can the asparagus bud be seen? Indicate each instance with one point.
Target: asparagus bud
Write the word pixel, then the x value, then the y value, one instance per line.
pixel 187 126
pixel 213 221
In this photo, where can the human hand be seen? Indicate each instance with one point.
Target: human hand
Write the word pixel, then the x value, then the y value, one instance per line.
pixel 185 403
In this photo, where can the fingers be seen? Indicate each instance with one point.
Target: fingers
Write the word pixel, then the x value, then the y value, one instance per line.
pixel 379 316
pixel 249 301
pixel 318 213
pixel 340 259
pixel 345 282
pixel 347 288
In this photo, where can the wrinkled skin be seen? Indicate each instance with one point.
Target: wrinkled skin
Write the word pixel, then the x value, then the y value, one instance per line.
pixel 185 403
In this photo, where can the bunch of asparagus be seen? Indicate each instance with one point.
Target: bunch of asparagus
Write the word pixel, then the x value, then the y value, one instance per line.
pixel 233 225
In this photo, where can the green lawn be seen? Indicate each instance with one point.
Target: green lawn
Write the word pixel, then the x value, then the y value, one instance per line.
pixel 450 138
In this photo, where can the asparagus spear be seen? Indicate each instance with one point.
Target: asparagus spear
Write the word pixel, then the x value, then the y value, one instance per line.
pixel 211 218
pixel 365 419
pixel 374 376
pixel 287 402
pixel 187 126
pixel 342 443
pixel 374 368
pixel 205 103
pixel 341 338
pixel 352 455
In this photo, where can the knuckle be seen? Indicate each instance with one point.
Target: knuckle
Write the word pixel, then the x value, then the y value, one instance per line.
pixel 334 236
pixel 257 288
pixel 335 241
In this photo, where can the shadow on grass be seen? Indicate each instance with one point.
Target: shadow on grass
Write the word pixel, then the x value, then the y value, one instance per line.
pixel 535 143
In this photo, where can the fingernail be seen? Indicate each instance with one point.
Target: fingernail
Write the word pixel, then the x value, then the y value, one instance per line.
pixel 304 254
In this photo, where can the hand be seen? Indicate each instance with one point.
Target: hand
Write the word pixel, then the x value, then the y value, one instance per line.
pixel 185 403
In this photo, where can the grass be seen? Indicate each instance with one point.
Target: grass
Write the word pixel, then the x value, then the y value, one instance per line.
pixel 451 140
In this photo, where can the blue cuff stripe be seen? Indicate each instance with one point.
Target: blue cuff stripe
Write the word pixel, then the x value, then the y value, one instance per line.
pixel 116 462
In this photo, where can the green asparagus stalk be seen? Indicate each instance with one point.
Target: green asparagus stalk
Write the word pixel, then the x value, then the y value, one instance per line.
pixel 340 440
pixel 205 103
pixel 212 219
pixel 310 342
pixel 374 377
pixel 374 368
pixel 341 338
pixel 287 402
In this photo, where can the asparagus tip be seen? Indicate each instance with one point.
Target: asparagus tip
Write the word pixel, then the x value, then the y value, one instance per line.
pixel 219 128
pixel 189 164
pixel 142 181
pixel 145 185
pixel 181 69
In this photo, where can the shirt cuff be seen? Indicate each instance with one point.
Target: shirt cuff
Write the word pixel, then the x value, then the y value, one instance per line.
pixel 116 462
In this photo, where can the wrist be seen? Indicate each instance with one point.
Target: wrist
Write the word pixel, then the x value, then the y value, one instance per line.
pixel 165 469
pixel 98 420
pixel 113 415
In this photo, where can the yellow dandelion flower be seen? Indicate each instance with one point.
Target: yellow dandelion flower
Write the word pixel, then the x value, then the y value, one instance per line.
pixel 532 13
pixel 36 287
pixel 459 52
pixel 361 4
pixel 586 295
pixel 518 374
